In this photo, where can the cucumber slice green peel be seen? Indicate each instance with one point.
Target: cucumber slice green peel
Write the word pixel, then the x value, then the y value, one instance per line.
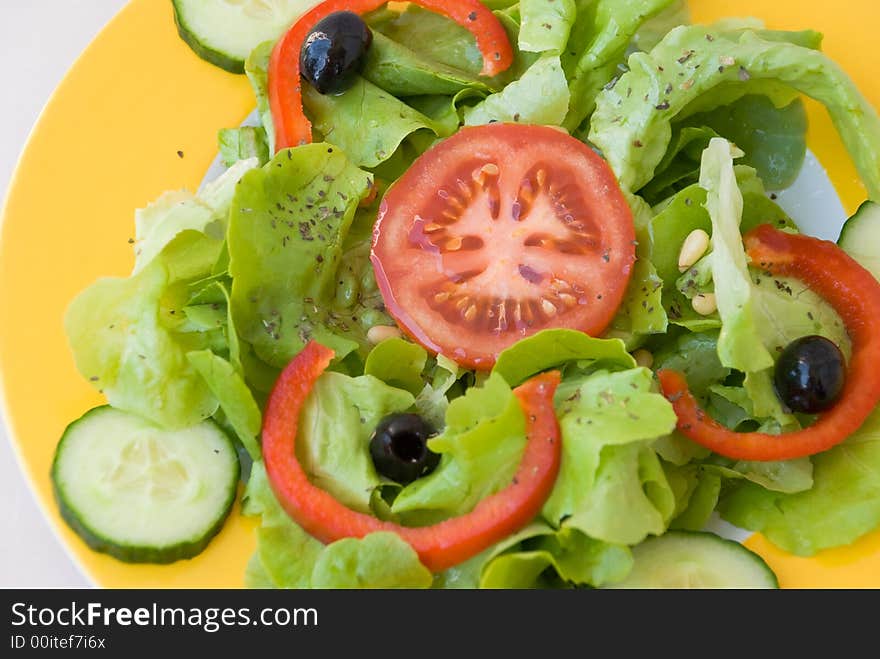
pixel 141 493
pixel 696 559
pixel 224 32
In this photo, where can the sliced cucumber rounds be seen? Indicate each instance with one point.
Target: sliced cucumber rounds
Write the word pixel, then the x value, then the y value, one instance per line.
pixel 693 559
pixel 860 237
pixel 140 493
pixel 224 32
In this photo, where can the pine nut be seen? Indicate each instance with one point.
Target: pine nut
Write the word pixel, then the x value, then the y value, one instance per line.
pixel 378 333
pixel 643 358
pixel 705 304
pixel 692 249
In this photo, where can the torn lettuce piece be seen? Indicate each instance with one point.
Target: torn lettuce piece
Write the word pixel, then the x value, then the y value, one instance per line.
pixel 234 397
pixel 573 558
pixel 404 72
pixel 700 504
pixel 774 140
pixel 553 348
pixel 287 227
pixel 641 311
pixel 398 363
pixel 597 46
pixel 611 485
pixel 243 143
pixel 787 476
pixel 378 560
pixel 739 344
pixel 256 68
pixel 696 356
pixel 480 447
pixel 540 96
pixel 123 341
pixel 842 505
pixel 365 121
pixel 632 122
pixel 432 401
pixel 175 212
pixel 545 25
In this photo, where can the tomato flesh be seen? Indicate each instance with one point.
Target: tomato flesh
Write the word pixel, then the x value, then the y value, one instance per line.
pixel 498 232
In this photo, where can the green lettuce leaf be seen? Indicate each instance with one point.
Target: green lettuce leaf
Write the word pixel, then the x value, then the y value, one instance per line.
pixel 540 96
pixel 121 333
pixel 632 122
pixel 611 485
pixel 378 560
pixel 598 45
pixel 399 363
pixel 243 143
pixel 575 559
pixel 696 356
pixel 739 344
pixel 554 348
pixel 545 25
pixel 233 395
pixel 842 505
pixel 773 139
pixel 404 72
pixel 287 227
pixel 163 220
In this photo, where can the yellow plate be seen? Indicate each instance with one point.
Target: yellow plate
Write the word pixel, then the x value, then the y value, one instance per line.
pixel 138 114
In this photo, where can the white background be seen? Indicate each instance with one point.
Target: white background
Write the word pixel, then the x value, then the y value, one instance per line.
pixel 39 40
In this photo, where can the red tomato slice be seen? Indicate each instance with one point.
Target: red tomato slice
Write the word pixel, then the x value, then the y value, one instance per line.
pixel 498 232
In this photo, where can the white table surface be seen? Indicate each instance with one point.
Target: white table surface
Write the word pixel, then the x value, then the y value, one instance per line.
pixel 39 40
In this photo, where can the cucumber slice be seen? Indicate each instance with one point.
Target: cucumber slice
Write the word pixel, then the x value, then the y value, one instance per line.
pixel 140 493
pixel 224 32
pixel 860 237
pixel 696 559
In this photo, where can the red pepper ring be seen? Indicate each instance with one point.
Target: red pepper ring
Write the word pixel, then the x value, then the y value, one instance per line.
pixel 440 545
pixel 292 128
pixel 855 294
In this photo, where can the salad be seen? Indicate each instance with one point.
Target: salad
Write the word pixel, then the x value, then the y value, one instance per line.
pixel 490 294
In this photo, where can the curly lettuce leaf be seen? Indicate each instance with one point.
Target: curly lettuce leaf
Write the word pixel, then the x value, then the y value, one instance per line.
pixel 632 122
pixel 287 227
pixel 403 72
pixel 378 560
pixel 554 348
pixel 540 96
pixel 130 337
pixel 545 25
pixel 597 46
pixel 123 341
pixel 398 363
pixel 233 396
pixel 573 557
pixel 739 344
pixel 611 485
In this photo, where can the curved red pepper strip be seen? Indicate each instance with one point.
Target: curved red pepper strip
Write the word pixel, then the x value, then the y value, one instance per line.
pixel 855 295
pixel 441 545
pixel 292 128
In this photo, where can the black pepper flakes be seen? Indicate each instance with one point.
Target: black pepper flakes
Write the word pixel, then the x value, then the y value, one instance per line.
pixel 180 154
